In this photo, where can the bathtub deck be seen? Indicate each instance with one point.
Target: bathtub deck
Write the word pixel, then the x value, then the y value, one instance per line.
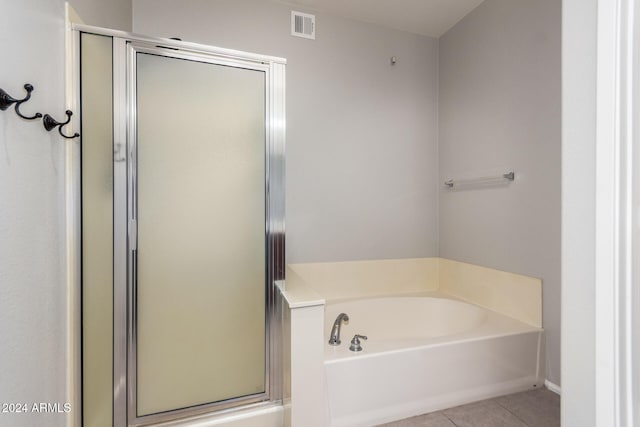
pixel 535 408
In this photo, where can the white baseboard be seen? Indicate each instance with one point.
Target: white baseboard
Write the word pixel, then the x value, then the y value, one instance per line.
pixel 553 387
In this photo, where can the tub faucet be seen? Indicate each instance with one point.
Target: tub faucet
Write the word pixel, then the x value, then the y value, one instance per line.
pixel 334 339
pixel 355 342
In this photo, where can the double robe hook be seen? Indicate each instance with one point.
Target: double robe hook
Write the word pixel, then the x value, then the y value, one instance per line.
pixel 7 100
pixel 49 122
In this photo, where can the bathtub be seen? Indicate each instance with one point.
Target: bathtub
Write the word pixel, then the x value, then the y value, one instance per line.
pixel 423 353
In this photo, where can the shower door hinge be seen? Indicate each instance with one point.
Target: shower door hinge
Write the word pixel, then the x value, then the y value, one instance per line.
pixel 133 234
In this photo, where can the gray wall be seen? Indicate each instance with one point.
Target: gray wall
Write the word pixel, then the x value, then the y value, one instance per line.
pixel 362 157
pixel 362 161
pixel 32 263
pixel 361 135
pixel 579 25
pixel 499 110
pixel 33 308
pixel 114 14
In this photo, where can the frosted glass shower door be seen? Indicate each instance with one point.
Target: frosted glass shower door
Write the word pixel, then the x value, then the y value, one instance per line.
pixel 199 203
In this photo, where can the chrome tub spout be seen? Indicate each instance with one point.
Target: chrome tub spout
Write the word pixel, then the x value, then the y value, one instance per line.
pixel 334 338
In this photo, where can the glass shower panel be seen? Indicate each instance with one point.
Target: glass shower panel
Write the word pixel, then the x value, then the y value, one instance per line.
pixel 97 229
pixel 201 233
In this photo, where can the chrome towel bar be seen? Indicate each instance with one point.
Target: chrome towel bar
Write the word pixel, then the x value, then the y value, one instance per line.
pixel 509 176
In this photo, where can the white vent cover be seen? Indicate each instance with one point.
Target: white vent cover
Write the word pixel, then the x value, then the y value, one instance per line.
pixel 303 25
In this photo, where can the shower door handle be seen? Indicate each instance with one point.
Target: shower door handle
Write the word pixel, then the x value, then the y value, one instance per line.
pixel 133 234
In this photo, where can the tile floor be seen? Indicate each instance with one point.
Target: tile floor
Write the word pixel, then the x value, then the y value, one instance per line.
pixel 535 408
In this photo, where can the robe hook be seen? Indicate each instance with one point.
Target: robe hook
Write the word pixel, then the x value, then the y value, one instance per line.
pixel 7 100
pixel 50 123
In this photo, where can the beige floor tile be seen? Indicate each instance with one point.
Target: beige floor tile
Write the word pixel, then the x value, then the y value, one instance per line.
pixel 483 414
pixel 534 408
pixel 537 408
pixel 435 419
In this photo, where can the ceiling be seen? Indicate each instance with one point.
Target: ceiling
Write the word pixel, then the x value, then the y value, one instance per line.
pixel 427 17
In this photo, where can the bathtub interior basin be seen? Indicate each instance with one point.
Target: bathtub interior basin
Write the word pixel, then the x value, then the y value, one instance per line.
pixel 409 317
pixel 423 353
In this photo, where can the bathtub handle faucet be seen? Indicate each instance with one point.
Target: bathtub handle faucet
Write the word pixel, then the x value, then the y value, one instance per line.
pixel 334 338
pixel 355 342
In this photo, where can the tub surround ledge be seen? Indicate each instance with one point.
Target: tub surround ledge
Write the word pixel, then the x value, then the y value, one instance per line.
pixel 304 396
pixel 511 294
pixel 357 279
pixel 297 293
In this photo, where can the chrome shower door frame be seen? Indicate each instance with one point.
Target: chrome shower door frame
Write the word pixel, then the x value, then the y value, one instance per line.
pixel 273 216
pixel 125 47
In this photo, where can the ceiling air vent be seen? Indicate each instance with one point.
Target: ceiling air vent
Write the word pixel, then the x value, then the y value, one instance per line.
pixel 303 25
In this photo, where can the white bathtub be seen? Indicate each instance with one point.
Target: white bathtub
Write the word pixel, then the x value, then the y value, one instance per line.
pixel 423 354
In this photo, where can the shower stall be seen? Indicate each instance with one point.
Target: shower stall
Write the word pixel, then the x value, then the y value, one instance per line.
pixel 182 227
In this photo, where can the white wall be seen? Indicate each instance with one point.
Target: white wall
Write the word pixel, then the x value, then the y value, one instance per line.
pixel 499 110
pixel 579 30
pixel 32 263
pixel 115 14
pixel 361 134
